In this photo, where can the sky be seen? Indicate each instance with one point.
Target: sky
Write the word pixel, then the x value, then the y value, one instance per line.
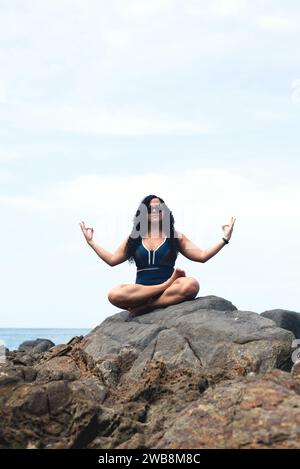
pixel 103 103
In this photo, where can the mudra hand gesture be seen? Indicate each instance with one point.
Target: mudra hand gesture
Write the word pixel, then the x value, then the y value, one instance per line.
pixel 88 232
pixel 228 228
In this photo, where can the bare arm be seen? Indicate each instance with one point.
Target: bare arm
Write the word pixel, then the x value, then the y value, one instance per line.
pixel 194 253
pixel 189 249
pixel 116 258
pixel 119 255
pixel 213 250
pixel 106 256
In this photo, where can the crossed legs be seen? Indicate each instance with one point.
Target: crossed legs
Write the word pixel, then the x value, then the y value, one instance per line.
pixel 125 295
pixel 182 289
pixel 138 299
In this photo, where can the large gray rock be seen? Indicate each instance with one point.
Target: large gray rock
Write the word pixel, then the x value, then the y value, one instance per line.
pixel 208 334
pixel 36 346
pixel 289 320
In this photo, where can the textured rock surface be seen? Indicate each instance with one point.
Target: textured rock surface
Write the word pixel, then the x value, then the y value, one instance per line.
pixel 200 374
pixel 205 334
pixel 260 411
pixel 286 319
pixel 52 404
pixel 36 346
pixel 295 372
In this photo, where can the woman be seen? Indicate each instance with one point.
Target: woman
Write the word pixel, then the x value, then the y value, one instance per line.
pixel 154 245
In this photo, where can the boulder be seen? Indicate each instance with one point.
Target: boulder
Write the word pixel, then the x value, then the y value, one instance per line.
pixel 35 346
pixel 289 320
pixel 208 334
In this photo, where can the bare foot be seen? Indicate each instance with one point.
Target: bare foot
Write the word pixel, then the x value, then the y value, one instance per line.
pixel 140 309
pixel 137 310
pixel 146 307
pixel 176 274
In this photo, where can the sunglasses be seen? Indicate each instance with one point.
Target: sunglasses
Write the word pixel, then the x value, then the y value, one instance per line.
pixel 155 208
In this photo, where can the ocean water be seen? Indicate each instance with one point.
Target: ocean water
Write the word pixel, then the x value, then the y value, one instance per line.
pixel 12 338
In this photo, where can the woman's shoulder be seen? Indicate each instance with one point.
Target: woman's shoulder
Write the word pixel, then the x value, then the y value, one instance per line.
pixel 178 235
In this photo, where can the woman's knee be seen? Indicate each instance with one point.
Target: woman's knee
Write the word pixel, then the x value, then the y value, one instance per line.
pixel 115 295
pixel 189 287
pixel 121 292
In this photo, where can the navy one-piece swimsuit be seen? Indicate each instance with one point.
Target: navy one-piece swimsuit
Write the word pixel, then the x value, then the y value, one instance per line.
pixel 154 266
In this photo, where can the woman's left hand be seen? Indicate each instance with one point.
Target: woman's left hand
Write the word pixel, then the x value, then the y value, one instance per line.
pixel 228 229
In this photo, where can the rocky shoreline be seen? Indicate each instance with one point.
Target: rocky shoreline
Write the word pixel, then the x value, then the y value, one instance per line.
pixel 199 374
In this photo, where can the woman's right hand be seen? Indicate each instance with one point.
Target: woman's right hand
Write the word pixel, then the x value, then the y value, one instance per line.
pixel 87 232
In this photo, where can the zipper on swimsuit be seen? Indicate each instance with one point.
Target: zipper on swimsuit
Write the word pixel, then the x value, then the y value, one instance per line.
pixel 153 251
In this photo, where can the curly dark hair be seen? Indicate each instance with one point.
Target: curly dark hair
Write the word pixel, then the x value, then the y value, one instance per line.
pixel 134 241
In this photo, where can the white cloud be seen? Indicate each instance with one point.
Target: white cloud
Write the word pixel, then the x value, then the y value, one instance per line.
pixel 143 9
pixel 271 115
pixel 119 39
pixel 3 91
pixel 296 90
pixel 8 154
pixel 217 8
pixel 108 122
pixel 27 203
pixel 229 7
pixel 7 176
pixel 277 23
pixel 198 195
